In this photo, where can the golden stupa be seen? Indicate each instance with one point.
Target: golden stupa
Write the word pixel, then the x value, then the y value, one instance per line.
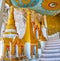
pixel 10 37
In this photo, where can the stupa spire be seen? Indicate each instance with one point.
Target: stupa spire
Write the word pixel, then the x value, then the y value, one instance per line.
pixel 11 21
pixel 10 27
pixel 29 35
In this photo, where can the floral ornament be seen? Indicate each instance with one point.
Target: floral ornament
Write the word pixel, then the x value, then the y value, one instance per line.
pixel 51 4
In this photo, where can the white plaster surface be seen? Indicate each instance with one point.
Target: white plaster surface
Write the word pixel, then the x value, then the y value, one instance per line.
pixel 42 44
pixel 39 52
pixel 10 35
pixel 44 31
pixel 27 50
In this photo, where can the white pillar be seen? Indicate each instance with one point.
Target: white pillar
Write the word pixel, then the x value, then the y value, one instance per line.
pixel 35 49
pixel 28 50
pixel 44 31
pixel 37 34
pixel 16 50
pixel 46 26
pixel 1 48
pixel 39 52
pixel 1 12
pixel 2 29
pixel 42 44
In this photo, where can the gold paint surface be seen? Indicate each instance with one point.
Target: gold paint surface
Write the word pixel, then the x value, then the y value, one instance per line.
pixel 53 23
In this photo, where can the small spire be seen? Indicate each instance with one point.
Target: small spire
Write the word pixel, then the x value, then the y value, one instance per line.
pixel 11 21
pixel 10 31
pixel 29 35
